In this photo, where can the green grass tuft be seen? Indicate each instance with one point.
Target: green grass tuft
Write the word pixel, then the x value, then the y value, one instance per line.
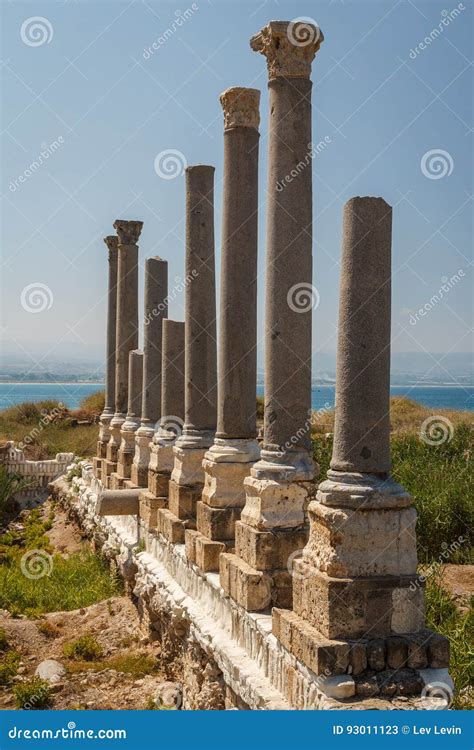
pixel 84 648
pixel 32 694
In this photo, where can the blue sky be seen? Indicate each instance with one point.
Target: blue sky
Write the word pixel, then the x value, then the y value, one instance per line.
pixel 382 102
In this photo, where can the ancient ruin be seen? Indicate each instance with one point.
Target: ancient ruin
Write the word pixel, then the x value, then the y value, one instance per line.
pixel 283 593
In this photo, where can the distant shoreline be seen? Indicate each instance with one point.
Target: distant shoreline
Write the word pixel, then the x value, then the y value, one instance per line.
pixel 313 385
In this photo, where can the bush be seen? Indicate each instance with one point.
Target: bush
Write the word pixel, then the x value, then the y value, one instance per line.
pixel 93 405
pixel 3 640
pixel 86 647
pixel 32 694
pixel 8 666
pixel 443 615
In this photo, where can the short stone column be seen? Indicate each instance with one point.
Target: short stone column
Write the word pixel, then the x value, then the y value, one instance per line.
pixel 358 605
pixel 109 404
pixel 274 520
pixel 235 447
pixel 129 428
pixel 126 331
pixel 170 425
pixel 187 477
pixel 156 309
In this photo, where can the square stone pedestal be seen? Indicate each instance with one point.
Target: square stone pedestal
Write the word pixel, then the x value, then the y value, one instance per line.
pixel 272 529
pixel 225 466
pixel 149 506
pixel 97 467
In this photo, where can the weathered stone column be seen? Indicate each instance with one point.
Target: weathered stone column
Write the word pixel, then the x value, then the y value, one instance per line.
pixel 156 309
pixel 187 478
pixel 109 405
pixel 274 522
pixel 235 447
pixel 170 426
pixel 126 330
pixel 356 579
pixel 132 420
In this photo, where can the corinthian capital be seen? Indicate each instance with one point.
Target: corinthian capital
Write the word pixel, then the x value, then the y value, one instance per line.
pixel 241 107
pixel 289 46
pixel 128 231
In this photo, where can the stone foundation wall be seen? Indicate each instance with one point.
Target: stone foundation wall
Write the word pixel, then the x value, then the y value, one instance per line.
pixel 38 473
pixel 224 656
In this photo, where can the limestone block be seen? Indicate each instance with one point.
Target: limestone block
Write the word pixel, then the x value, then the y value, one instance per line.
pixel 376 654
pixel 183 498
pixel 397 652
pixel 224 483
pixel 248 587
pixel 158 483
pixel 190 536
pixel 272 504
pixel 216 523
pixel 187 469
pixel 208 553
pixel 348 543
pixel 438 651
pixel 358 658
pixel 360 607
pixel 268 550
pixel 148 508
pixel 322 656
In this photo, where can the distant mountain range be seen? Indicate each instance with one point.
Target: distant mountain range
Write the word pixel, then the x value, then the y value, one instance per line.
pixel 408 368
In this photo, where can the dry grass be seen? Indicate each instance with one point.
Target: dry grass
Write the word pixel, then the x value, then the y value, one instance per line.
pixel 405 416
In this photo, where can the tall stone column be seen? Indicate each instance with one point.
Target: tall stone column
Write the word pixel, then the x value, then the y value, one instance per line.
pixel 274 521
pixel 170 425
pixel 187 477
pixel 126 331
pixel 356 596
pixel 132 421
pixel 156 309
pixel 235 447
pixel 109 405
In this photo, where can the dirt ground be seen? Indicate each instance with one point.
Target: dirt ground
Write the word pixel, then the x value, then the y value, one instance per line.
pixel 113 623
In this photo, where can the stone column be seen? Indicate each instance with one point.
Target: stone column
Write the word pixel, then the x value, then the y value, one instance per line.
pixel 235 447
pixel 132 421
pixel 109 405
pixel 274 521
pixel 187 478
pixel 156 309
pixel 170 426
pixel 126 330
pixel 355 586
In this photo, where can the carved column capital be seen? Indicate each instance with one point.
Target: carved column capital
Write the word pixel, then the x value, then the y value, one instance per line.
pixel 128 231
pixel 289 46
pixel 241 107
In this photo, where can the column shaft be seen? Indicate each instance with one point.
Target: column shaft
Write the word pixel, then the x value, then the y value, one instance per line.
pixel 362 427
pixel 109 401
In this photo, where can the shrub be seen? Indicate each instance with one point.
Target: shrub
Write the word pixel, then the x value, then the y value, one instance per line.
pixel 8 666
pixel 48 629
pixel 86 647
pixel 93 405
pixel 3 640
pixel 32 694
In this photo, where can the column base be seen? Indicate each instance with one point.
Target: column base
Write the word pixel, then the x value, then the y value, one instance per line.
pixel 272 528
pixel 158 483
pixel 172 527
pixel 115 437
pixel 139 475
pixel 255 590
pixel 115 482
pixel 149 505
pixel 141 459
pixel 389 666
pixel 226 465
pixel 102 448
pixel 97 467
